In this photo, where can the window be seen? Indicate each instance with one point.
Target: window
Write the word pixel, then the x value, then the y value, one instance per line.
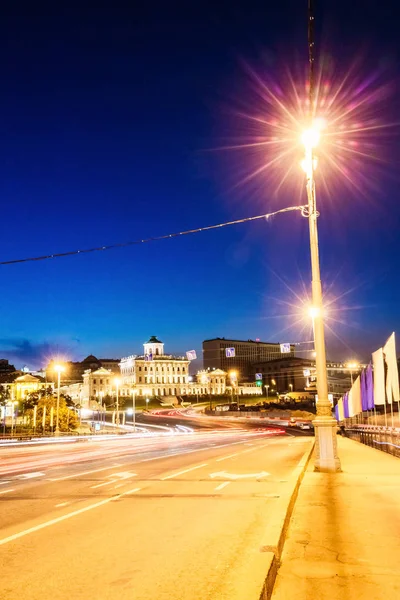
pixel 108 381
pixel 140 368
pixel 101 382
pixel 145 368
pixel 94 382
pixel 140 380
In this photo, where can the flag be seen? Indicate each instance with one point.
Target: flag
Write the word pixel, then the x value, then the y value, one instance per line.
pixel 346 405
pixel 149 356
pixel 337 412
pixel 364 399
pixel 370 387
pixel 392 376
pixel 340 410
pixel 356 396
pixel 379 377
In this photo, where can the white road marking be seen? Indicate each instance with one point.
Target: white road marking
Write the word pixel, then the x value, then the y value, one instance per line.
pixel 222 485
pixel 4 482
pixel 118 486
pixel 25 532
pixel 30 475
pixel 83 473
pixel 225 475
pixel 6 491
pixel 62 504
pixel 226 457
pixel 182 472
pixel 93 487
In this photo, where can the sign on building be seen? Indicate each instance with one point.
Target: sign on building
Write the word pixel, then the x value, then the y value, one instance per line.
pixel 306 372
pixel 230 352
pixel 258 376
pixel 191 355
pixel 285 348
pixel 148 356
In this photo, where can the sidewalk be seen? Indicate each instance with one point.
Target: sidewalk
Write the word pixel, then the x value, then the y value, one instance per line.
pixel 343 540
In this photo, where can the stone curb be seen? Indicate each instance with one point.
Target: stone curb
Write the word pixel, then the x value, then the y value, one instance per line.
pixel 274 540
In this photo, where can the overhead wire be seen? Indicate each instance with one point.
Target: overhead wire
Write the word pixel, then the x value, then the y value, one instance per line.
pixel 150 239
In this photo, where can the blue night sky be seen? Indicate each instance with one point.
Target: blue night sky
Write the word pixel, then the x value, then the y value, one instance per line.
pixel 110 129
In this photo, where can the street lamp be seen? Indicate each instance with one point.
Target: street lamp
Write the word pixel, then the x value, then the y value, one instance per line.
pixel 267 388
pixel 291 387
pixel 353 366
pixel 117 384
pixel 58 369
pixel 134 408
pixel 326 458
pixel 233 377
pixel 147 403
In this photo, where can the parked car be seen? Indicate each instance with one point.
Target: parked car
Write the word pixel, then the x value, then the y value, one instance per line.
pixel 305 425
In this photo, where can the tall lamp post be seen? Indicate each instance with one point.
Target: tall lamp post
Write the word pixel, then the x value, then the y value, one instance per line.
pixel 134 408
pixel 326 458
pixel 117 383
pixel 58 369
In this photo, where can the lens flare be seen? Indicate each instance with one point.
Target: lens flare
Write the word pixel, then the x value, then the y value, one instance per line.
pixel 350 129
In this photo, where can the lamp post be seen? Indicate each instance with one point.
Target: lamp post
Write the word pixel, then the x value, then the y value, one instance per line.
pixel 117 383
pixel 147 403
pixel 134 409
pixel 267 388
pixel 59 369
pixel 353 366
pixel 233 377
pixel 326 458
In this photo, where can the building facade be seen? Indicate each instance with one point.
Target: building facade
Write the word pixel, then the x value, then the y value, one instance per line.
pixel 24 385
pixel 154 374
pixel 74 370
pixel 246 353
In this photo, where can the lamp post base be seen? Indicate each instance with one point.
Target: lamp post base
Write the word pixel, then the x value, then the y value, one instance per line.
pixel 326 456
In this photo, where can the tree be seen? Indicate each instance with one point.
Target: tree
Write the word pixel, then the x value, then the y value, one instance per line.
pixel 68 419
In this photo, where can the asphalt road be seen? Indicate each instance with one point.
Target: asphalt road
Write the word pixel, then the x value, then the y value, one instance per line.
pixel 158 516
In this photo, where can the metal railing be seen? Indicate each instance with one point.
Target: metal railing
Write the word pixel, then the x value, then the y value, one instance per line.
pixel 381 438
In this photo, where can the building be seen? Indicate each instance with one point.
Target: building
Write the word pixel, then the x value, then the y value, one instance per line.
pixel 210 382
pixel 245 354
pixel 294 374
pixel 154 374
pixel 24 385
pixel 5 366
pixel 74 370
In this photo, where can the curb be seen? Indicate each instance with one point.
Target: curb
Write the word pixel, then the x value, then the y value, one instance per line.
pixel 275 538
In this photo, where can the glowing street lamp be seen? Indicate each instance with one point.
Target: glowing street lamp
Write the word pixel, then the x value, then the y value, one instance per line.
pixel 325 425
pixel 117 383
pixel 352 366
pixel 58 369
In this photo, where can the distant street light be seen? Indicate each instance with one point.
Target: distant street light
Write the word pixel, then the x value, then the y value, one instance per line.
pixel 117 384
pixel 147 403
pixel 58 369
pixel 134 408
pixel 352 366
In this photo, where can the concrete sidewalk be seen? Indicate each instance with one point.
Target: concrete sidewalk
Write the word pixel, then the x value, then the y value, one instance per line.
pixel 343 540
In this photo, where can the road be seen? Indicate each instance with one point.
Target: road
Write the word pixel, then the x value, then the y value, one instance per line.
pixel 158 516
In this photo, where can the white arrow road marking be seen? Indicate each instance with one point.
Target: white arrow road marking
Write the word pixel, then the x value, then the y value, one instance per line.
pixel 30 475
pixel 6 491
pixel 225 475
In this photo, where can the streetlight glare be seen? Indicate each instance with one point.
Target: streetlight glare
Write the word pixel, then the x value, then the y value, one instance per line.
pixel 314 312
pixel 117 381
pixel 310 138
pixel 59 368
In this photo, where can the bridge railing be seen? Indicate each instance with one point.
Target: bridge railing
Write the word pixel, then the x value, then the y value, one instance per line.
pixel 381 438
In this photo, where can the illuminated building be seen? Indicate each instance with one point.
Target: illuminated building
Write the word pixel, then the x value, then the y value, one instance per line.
pixel 245 354
pixel 154 373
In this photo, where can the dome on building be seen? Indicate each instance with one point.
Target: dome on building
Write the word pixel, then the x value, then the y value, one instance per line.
pixel 154 340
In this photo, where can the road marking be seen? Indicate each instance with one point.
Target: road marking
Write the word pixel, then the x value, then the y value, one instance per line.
pixel 6 491
pixel 21 534
pixel 30 475
pixel 118 486
pixel 226 457
pixel 225 475
pixel 4 482
pixel 62 504
pixel 182 472
pixel 222 485
pixel 93 487
pixel 83 473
